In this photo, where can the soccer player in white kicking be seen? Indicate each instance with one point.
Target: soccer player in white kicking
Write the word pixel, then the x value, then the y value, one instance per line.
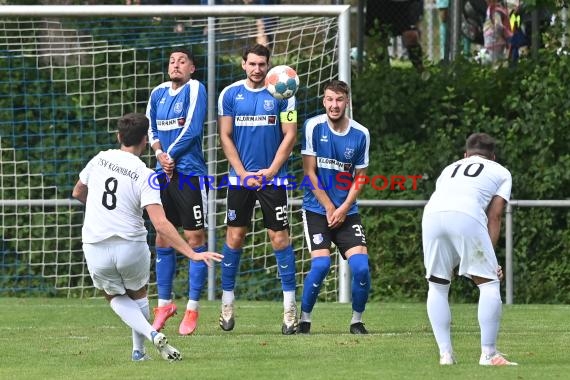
pixel 460 228
pixel 335 152
pixel 115 188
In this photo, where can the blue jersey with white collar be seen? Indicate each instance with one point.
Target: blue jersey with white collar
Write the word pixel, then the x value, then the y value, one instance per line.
pixel 257 132
pixel 338 155
pixel 177 121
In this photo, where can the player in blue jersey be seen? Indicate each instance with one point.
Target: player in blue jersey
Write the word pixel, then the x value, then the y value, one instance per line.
pixel 177 110
pixel 257 132
pixel 335 152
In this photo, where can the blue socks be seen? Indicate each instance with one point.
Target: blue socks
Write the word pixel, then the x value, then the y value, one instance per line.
pixel 165 269
pixel 313 281
pixel 197 273
pixel 358 264
pixel 286 268
pixel 230 264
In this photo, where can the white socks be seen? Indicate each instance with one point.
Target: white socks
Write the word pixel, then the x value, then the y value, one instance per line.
pixel 440 315
pixel 131 314
pixel 192 305
pixel 489 315
pixel 305 317
pixel 138 339
pixel 356 317
pixel 228 297
pixel 162 302
pixel 288 298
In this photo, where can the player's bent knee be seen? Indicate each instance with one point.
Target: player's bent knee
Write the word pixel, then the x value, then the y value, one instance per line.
pixel 438 280
pixel 321 265
pixel 279 240
pixel 137 294
pixel 235 239
pixel 359 266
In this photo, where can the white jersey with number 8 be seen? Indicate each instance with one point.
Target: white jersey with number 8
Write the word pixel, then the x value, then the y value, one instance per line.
pixel 119 188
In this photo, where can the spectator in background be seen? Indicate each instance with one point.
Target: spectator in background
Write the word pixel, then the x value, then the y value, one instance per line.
pixel 497 31
pixel 397 18
pixel 205 2
pixel 443 11
pixel 265 25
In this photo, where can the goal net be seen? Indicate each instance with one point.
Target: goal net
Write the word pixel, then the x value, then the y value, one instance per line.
pixel 64 80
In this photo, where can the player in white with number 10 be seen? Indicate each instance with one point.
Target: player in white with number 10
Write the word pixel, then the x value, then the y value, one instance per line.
pixel 115 188
pixel 460 226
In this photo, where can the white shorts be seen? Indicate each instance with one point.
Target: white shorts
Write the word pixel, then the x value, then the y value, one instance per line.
pixel 116 265
pixel 452 239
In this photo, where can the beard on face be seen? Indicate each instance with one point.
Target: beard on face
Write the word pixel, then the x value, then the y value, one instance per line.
pixel 177 79
pixel 338 115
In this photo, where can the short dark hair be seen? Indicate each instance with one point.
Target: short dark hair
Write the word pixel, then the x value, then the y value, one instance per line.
pixel 337 86
pixel 481 144
pixel 133 127
pixel 258 49
pixel 184 51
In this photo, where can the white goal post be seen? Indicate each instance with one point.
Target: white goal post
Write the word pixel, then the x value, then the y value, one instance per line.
pixel 188 14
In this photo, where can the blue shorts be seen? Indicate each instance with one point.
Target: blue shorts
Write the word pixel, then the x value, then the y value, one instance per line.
pixel 319 235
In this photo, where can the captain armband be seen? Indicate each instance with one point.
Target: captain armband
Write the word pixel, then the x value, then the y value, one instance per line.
pixel 288 117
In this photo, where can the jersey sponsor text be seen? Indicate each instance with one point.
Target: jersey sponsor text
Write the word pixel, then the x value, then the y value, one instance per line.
pixel 118 169
pixel 255 120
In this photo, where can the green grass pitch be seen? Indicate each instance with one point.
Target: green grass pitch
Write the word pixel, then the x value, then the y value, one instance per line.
pixel 83 339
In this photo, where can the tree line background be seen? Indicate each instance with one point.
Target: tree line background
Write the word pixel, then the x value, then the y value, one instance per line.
pixel 418 124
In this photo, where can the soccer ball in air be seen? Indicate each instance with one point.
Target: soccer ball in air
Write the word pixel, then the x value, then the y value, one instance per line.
pixel 282 82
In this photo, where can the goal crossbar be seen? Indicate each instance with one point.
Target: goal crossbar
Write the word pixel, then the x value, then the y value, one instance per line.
pixel 170 10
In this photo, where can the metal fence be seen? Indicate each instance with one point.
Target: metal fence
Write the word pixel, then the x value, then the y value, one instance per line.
pixel 344 272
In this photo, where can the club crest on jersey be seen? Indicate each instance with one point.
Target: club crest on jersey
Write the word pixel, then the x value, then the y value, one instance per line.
pixel 177 107
pixel 181 121
pixel 348 153
pixel 232 215
pixel 317 238
pixel 268 105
